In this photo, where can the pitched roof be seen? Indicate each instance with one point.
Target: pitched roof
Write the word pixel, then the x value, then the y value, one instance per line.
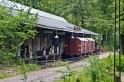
pixel 45 20
pixel 49 23
pixel 88 32
pixel 18 6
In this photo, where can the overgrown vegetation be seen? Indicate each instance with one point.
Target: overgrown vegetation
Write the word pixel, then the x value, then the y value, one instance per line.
pixel 99 70
pixel 17 69
pixel 68 74
pixel 15 28
pixel 60 63
pixel 96 15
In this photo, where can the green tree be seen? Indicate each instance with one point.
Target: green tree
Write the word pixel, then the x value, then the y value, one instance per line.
pixel 94 15
pixel 122 27
pixel 14 30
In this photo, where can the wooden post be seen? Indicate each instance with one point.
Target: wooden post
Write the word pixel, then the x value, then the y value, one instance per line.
pixel 40 40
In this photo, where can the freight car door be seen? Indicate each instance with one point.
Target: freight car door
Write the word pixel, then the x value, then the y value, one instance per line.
pixel 67 47
pixel 83 45
pixel 88 45
pixel 91 44
pixel 78 46
pixel 73 46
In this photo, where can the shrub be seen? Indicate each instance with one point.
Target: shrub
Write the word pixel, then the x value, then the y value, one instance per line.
pixel 28 67
pixel 98 71
pixel 18 69
pixel 60 63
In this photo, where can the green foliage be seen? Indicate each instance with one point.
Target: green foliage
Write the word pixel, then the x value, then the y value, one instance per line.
pixel 14 30
pixel 68 73
pixel 28 67
pixel 109 47
pixel 94 15
pixel 101 70
pixel 3 75
pixel 122 63
pixel 18 69
pixel 7 59
pixel 60 63
pixel 98 71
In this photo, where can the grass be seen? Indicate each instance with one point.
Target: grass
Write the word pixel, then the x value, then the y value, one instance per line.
pixel 60 63
pixel 100 70
pixel 21 68
pixel 14 70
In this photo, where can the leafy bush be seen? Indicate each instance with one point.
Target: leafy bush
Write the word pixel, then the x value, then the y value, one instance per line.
pixel 18 69
pixel 60 63
pixel 122 63
pixel 7 59
pixel 98 71
pixel 109 47
pixel 32 67
pixel 28 67
pixel 68 74
pixel 14 30
pixel 3 75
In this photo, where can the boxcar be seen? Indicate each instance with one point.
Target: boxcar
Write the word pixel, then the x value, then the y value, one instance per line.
pixel 84 42
pixel 76 46
pixel 91 45
pixel 73 47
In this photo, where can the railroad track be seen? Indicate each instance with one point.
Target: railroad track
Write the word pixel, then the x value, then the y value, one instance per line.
pixel 52 63
pixel 74 59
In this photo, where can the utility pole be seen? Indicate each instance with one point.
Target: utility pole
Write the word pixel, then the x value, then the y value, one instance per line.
pixel 119 45
pixel 115 43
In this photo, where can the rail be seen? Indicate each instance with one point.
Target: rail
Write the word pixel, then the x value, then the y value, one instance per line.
pixel 51 63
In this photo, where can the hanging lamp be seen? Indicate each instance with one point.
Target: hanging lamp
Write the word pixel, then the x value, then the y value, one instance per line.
pixel 56 35
pixel 72 37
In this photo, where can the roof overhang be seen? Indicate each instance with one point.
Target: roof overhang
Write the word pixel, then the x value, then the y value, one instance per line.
pixel 45 20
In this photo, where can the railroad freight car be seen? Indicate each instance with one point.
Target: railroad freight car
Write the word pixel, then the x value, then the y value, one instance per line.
pixel 91 45
pixel 84 42
pixel 76 46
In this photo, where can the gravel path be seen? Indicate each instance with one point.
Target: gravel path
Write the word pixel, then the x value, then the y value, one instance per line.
pixel 48 75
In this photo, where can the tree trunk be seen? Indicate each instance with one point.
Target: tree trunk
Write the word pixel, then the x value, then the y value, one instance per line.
pixel 122 44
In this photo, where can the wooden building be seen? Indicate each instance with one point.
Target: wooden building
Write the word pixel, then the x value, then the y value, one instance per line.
pixel 52 31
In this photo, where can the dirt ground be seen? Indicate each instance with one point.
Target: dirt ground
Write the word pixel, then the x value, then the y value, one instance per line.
pixel 49 75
